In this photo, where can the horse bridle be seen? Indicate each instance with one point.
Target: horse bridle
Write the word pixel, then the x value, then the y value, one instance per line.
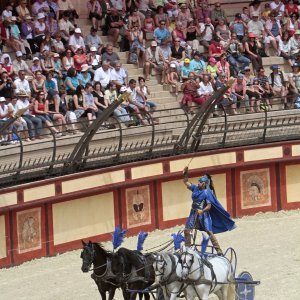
pixel 91 251
pixel 184 261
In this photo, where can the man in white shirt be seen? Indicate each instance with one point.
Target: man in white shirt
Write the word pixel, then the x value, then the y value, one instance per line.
pixel 40 6
pixel 207 32
pixel 77 40
pixel 22 84
pixel 65 26
pixel 20 65
pixel 256 26
pixel 103 74
pixel 119 75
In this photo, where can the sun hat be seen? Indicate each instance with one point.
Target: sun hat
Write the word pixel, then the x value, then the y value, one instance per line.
pixel 84 67
pixel 19 54
pixel 93 49
pixel 2 99
pixel 186 61
pixel 77 30
pixel 123 89
pixel 153 43
pixel 297 31
pixel 13 18
pixel 240 76
pixel 255 14
pixel 55 55
pixel 40 16
pixel 172 65
pixel 22 93
pixel 251 35
pixel 35 58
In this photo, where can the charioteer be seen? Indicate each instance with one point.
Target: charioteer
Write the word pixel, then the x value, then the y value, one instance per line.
pixel 207 213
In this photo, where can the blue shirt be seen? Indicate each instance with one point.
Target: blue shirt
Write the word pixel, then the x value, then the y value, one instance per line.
pixel 161 34
pixel 84 81
pixel 198 66
pixel 186 70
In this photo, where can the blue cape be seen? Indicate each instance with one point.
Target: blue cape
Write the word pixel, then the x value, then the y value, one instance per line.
pixel 221 220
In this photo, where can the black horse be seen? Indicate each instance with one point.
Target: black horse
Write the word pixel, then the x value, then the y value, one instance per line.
pixel 94 254
pixel 134 271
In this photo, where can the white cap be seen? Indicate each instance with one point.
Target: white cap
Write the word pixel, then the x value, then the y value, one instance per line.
pixel 172 65
pixel 123 89
pixel 55 55
pixel 2 99
pixel 40 16
pixel 19 54
pixel 35 58
pixel 77 30
pixel 13 18
pixel 93 49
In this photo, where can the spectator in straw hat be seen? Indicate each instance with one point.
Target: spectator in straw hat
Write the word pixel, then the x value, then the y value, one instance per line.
pixel 77 40
pixel 84 76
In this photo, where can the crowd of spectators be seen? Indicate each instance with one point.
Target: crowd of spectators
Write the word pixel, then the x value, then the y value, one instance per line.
pixel 60 75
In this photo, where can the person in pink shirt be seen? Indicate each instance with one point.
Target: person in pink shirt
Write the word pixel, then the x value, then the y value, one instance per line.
pixel 223 66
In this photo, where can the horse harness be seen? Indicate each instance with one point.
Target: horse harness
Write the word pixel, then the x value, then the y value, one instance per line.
pixel 202 261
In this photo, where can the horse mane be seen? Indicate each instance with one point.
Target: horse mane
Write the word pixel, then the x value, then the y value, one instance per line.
pixel 101 249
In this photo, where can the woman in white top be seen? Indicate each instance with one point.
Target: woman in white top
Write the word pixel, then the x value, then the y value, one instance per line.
pixel 67 61
pixel 205 89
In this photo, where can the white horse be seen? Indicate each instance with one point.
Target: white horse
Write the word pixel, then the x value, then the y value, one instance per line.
pixel 198 275
pixel 168 272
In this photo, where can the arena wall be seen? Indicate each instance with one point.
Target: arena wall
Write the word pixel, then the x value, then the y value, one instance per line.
pixel 51 216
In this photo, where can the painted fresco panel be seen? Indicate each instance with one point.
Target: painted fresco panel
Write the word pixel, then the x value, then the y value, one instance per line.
pixel 2 237
pixel 29 230
pixel 138 208
pixel 255 188
pixel 292 183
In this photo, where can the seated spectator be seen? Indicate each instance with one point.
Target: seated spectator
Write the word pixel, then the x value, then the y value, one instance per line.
pixel 215 49
pixel 57 74
pixel 177 53
pixel 223 32
pixel 294 81
pixel 164 59
pixel 295 43
pixel 91 108
pixel 285 47
pixel 19 64
pixel 22 84
pixel 223 66
pixel 239 90
pixel 149 24
pixel 253 48
pixel 27 33
pixel 212 68
pixel 205 90
pixel 95 13
pixel 67 62
pixel 290 8
pixel 255 8
pixel 173 78
pixel 109 54
pixel 142 95
pixel 34 124
pixel 179 32
pixel 278 82
pixel 206 33
pixel 274 33
pixel 184 15
pixel 119 76
pixel 239 27
pixel 100 102
pixel 84 76
pixel 66 6
pixel 134 20
pixel 228 100
pixel 36 65
pixel 76 40
pixel 201 11
pixel 161 34
pixel 152 60
pixel 19 124
pixel 52 25
pixel 255 93
pixel 6 85
pixel 46 44
pixel 71 82
pixel 192 32
pixel 218 13
pixel 235 55
pixel 265 13
pixel 41 111
pixel 47 63
pixel 7 12
pixel 40 29
pixel 264 83
pixel 162 16
pixel 55 115
pixel 278 8
pixel 93 40
pixel 190 95
pixel 103 74
pixel 93 59
pixel 136 38
pixel 256 26
pixel 245 15
pixel 80 58
pixel 38 83
pixel 186 69
pixel 5 114
pixel 6 64
pixel 66 27
pixel 110 96
pixel 198 65
pixel 40 6
pixel 292 23
pixel 22 10
pixel 51 87
pixel 57 44
pixel 114 23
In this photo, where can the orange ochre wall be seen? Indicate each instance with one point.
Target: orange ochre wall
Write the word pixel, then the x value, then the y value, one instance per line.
pixel 51 216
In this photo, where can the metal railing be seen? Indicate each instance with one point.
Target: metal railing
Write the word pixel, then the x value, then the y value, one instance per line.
pixel 106 146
